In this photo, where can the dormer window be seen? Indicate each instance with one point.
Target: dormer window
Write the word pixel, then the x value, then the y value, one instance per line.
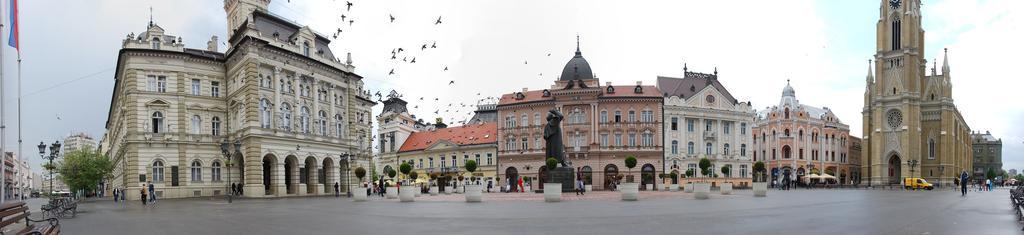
pixel 156 43
pixel 305 48
pixel 611 90
pixel 693 88
pixel 638 89
pixel 519 96
pixel 546 93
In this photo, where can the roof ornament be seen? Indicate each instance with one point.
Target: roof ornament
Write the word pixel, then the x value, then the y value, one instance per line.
pixel 578 53
pixel 684 68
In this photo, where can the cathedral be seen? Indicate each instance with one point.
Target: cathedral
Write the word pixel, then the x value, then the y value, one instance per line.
pixel 912 128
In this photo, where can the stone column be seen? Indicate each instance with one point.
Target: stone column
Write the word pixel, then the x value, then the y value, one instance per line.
pixel 277 179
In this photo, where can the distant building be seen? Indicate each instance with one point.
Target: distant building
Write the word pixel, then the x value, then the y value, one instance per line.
pixel 854 157
pixel 446 151
pixel 988 153
pixel 485 112
pixel 1011 172
pixel 77 142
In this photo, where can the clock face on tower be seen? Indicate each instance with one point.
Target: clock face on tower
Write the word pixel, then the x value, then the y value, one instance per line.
pixel 894 4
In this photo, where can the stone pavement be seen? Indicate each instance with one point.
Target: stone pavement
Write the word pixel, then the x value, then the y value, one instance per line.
pixel 843 211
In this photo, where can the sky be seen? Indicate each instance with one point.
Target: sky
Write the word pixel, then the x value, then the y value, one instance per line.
pixel 491 47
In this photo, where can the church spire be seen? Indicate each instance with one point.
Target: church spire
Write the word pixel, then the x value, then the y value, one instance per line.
pixel 945 61
pixel 871 76
pixel 578 53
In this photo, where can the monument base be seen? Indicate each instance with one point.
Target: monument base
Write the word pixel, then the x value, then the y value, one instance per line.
pixel 564 176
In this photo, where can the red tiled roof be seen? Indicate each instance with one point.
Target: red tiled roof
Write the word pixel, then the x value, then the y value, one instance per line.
pixel 483 133
pixel 620 91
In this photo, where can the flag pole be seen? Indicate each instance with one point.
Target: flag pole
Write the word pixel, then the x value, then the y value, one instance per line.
pixel 3 116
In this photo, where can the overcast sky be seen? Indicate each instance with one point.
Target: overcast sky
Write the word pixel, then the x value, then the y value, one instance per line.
pixel 491 47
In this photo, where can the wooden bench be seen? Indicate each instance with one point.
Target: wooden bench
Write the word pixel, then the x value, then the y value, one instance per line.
pixel 13 212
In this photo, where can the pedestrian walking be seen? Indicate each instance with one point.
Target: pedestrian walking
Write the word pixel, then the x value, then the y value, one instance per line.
pixel 337 191
pixel 115 195
pixel 489 185
pixel 963 183
pixel 988 184
pixel 152 192
pixel 579 187
pixel 521 189
pixel 142 192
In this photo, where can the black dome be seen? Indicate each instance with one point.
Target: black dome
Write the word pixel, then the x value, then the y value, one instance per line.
pixel 577 68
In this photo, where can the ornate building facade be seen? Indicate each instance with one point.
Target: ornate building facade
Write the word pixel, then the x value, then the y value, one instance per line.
pixel 446 150
pixel 299 114
pixel 796 139
pixel 912 127
pixel 702 119
pixel 603 125
pixel 988 154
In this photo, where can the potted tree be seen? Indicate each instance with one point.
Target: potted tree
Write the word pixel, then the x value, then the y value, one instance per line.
pixel 702 189
pixel 760 180
pixel 433 184
pixel 448 188
pixel 727 186
pixel 689 184
pixel 413 175
pixel 459 186
pixel 360 193
pixel 406 193
pixel 474 192
pixel 392 190
pixel 674 177
pixel 630 190
pixel 552 191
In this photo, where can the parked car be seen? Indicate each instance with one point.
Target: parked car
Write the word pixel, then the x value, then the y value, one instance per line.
pixel 917 183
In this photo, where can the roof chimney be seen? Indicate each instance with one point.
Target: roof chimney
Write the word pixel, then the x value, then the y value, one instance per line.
pixel 524 90
pixel 639 83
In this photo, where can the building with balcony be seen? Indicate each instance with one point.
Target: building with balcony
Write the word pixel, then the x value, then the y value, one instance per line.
pixel 702 119
pixel 603 124
pixel 300 115
pixel 799 139
pixel 446 150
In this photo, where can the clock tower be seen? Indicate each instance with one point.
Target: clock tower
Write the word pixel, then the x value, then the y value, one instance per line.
pixel 911 126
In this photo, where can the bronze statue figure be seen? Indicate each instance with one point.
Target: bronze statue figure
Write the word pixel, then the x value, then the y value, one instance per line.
pixel 553 138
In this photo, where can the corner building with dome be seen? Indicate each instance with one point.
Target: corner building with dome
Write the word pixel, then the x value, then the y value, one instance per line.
pixel 603 124
pixel 912 127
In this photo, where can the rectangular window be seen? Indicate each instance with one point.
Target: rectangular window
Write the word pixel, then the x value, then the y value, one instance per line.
pixel 151 83
pixel 604 140
pixel 489 159
pixel 689 125
pixel 675 123
pixel 196 86
pixel 215 89
pixel 743 129
pixel 707 125
pixel 161 84
pixel 618 140
pixel 632 116
pixel 632 139
pixel 726 127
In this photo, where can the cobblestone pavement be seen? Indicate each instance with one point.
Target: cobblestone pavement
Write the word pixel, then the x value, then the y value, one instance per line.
pixel 834 211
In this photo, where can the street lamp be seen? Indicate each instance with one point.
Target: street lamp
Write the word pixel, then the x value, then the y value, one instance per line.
pixel 225 148
pixel 54 152
pixel 348 169
pixel 942 169
pixel 912 163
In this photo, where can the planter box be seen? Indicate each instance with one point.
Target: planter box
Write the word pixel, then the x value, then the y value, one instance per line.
pixel 701 190
pixel 673 187
pixel 588 188
pixel 460 189
pixel 419 191
pixel 434 190
pixel 552 192
pixel 688 188
pixel 448 190
pixel 359 195
pixel 649 187
pixel 630 191
pixel 760 189
pixel 726 188
pixel 407 193
pixel 474 193
pixel 391 193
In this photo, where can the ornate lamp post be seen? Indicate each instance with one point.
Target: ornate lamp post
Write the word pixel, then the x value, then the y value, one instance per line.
pixel 348 169
pixel 225 148
pixel 912 163
pixel 54 152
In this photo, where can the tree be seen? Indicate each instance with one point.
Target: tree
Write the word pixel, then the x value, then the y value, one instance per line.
pixel 630 163
pixel 990 174
pixel 413 175
pixel 470 166
pixel 360 173
pixel 392 173
pixel 726 170
pixel 551 164
pixel 84 169
pixel 689 173
pixel 705 166
pixel 675 177
pixel 759 171
pixel 405 168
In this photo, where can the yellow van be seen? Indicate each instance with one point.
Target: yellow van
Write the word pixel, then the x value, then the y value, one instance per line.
pixel 917 183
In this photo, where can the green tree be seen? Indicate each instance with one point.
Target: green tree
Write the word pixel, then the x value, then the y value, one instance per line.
pixel 630 163
pixel 405 168
pixel 705 166
pixel 360 173
pixel 84 169
pixel 689 173
pixel 759 171
pixel 726 170
pixel 470 166
pixel 551 164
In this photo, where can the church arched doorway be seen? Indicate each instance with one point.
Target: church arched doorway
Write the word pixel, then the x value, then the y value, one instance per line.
pixel 894 169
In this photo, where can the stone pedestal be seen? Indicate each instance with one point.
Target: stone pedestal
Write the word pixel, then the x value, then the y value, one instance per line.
pixel 301 190
pixel 563 176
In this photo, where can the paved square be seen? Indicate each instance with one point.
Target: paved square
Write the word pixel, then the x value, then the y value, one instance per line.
pixel 782 212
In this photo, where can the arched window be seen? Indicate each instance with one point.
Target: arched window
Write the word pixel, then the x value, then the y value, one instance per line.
pixel 265 113
pixel 215 171
pixel 322 122
pixel 786 132
pixel 787 113
pixel 158 122
pixel 743 150
pixel 305 48
pixel 286 111
pixel 708 148
pixel 158 171
pixel 675 147
pixel 215 126
pixel 156 43
pixel 725 149
pixel 931 148
pixel 338 129
pixel 536 119
pixel 304 119
pixel 786 152
pixel 689 148
pixel 604 116
pixel 895 34
pixel 197 171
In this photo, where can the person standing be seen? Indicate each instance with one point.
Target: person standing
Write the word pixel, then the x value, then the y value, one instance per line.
pixel 520 184
pixel 115 195
pixel 489 185
pixel 337 190
pixel 580 190
pixel 152 193
pixel 142 192
pixel 963 183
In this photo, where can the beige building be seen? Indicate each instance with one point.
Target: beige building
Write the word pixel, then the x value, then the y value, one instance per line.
pixel 300 114
pixel 912 127
pixel 446 150
pixel 78 141
pixel 702 119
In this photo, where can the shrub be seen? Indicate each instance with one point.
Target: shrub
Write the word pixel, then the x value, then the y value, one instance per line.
pixel 360 173
pixel 470 166
pixel 405 168
pixel 413 175
pixel 552 163
pixel 392 173
pixel 630 163
pixel 759 170
pixel 725 171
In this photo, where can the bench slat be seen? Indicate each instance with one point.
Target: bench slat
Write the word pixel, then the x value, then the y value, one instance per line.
pixel 12 220
pixel 10 212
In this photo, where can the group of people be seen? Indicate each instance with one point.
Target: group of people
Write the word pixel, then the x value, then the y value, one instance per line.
pixel 236 188
pixel 147 193
pixel 119 194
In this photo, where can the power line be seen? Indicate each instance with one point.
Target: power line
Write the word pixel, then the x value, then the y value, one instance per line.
pixel 68 82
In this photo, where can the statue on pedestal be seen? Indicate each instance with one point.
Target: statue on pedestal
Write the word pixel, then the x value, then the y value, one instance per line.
pixel 553 138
